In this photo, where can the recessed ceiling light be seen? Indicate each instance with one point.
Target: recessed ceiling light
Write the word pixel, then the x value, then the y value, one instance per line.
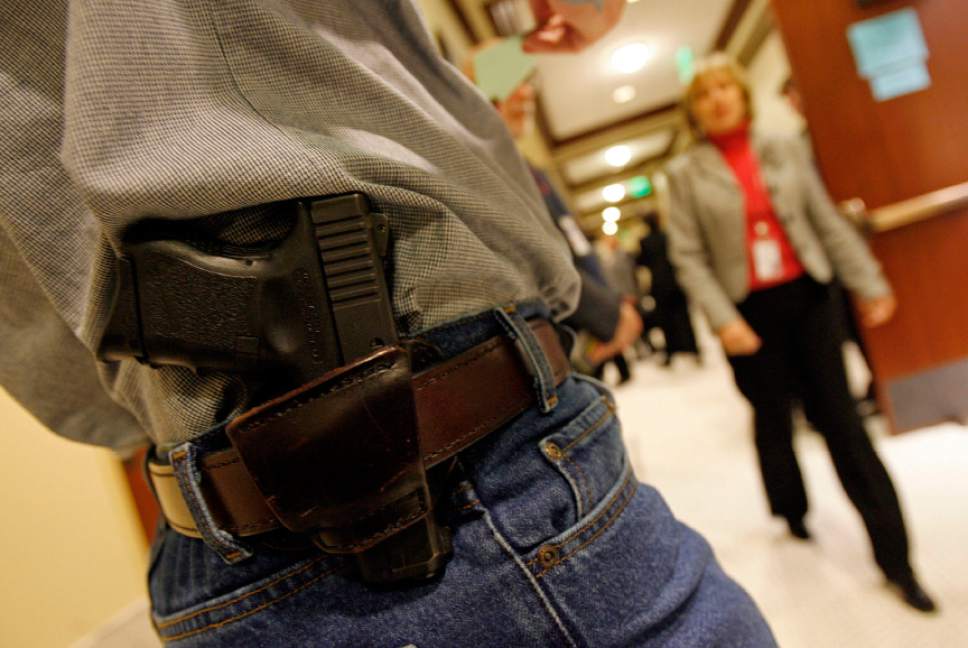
pixel 623 94
pixel 611 214
pixel 610 228
pixel 618 156
pixel 633 1
pixel 613 193
pixel 631 58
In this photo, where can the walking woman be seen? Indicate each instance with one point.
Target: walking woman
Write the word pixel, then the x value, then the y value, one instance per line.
pixel 756 242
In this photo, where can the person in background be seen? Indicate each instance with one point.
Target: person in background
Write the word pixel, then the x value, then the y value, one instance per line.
pixel 601 309
pixel 756 242
pixel 620 276
pixel 671 311
pixel 791 92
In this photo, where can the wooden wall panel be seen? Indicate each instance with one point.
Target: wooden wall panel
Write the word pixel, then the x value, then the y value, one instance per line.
pixel 144 501
pixel 888 151
pixel 927 264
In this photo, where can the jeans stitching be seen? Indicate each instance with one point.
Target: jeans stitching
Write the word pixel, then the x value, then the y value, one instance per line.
pixel 530 577
pixel 592 522
pixel 185 464
pixel 248 613
pixel 585 494
pixel 532 354
pixel 629 491
pixel 219 606
pixel 595 520
pixel 591 429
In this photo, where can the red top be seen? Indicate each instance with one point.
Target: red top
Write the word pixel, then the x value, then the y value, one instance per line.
pixel 763 228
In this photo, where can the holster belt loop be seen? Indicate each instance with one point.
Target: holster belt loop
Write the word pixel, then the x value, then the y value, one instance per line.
pixel 531 353
pixel 185 462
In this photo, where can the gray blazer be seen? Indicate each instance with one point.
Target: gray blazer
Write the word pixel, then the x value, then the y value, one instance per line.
pixel 707 233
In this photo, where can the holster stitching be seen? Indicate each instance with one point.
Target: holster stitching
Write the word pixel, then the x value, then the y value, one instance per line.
pixel 302 400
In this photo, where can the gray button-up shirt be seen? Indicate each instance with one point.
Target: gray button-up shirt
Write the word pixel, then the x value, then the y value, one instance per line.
pixel 114 111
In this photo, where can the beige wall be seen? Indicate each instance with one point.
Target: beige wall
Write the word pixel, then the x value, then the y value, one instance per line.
pixel 767 72
pixel 442 23
pixel 71 551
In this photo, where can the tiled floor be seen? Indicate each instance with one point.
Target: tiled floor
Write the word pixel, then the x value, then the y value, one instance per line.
pixel 687 431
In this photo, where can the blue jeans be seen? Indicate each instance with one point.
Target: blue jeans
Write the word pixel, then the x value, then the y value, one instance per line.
pixel 555 544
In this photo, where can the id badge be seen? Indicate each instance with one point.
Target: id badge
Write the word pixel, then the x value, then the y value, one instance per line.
pixel 767 259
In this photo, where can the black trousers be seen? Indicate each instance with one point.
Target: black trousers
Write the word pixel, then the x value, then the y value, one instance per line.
pixel 624 372
pixel 801 361
pixel 672 316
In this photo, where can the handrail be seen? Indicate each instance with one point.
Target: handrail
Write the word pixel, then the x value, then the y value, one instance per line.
pixel 905 212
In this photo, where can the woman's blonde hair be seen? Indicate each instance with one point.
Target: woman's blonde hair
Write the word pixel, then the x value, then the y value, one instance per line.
pixel 715 63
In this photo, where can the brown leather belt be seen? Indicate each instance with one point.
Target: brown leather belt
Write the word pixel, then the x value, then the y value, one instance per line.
pixel 458 402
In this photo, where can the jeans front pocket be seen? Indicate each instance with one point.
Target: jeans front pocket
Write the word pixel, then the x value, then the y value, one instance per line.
pixel 533 496
pixel 199 600
pixel 588 453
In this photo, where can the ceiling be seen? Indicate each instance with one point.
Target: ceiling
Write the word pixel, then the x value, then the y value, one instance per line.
pixel 579 118
pixel 577 90
pixel 592 166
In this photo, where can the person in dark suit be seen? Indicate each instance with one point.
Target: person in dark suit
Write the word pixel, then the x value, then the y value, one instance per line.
pixel 671 311
pixel 756 242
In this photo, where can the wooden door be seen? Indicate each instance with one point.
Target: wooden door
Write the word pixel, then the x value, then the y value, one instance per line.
pixel 886 152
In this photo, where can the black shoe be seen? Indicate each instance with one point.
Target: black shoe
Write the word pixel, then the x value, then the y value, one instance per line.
pixel 913 594
pixel 798 529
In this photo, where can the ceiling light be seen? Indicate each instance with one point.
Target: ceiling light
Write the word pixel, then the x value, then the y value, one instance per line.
pixel 623 94
pixel 633 1
pixel 611 214
pixel 613 193
pixel 610 228
pixel 618 156
pixel 631 58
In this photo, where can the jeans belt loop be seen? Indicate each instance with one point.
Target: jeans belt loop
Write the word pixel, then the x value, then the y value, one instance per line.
pixel 185 462
pixel 535 361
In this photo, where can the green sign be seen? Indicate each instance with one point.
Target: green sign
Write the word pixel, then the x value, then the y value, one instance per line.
pixel 639 187
pixel 686 64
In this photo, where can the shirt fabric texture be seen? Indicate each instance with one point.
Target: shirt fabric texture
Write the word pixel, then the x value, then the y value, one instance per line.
pixel 117 111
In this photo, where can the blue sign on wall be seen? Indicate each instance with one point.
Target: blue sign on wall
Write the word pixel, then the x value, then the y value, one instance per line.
pixel 891 53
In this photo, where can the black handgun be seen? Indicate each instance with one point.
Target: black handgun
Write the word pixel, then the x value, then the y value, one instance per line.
pixel 316 301
pixel 308 311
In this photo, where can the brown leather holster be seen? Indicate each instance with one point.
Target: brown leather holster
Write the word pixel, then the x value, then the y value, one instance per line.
pixel 340 458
